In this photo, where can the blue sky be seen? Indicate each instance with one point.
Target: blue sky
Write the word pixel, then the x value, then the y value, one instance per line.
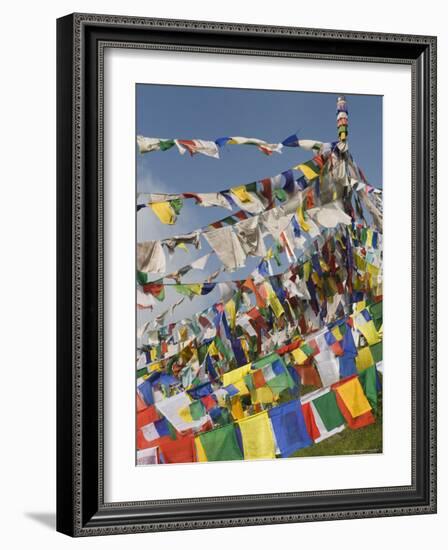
pixel 186 112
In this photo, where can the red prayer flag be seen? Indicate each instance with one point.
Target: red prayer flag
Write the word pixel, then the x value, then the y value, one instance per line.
pixel 310 421
pixel 177 450
pixel 249 283
pixel 259 380
pixel 147 416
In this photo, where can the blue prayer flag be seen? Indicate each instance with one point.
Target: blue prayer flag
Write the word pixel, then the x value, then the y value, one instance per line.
pixel 289 427
pixel 146 391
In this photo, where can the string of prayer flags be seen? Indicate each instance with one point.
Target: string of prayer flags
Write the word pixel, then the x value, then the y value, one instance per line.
pixel 211 148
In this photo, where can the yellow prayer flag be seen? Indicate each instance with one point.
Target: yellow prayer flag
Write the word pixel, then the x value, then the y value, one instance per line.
pixel 364 359
pixel 302 221
pixel 235 375
pixel 336 333
pixel 241 387
pixel 373 270
pixel 360 262
pixel 262 395
pixel 299 356
pixel 274 302
pixel 153 354
pixel 230 308
pixel 200 452
pixel 306 270
pixel 155 366
pixel 369 332
pixel 195 287
pixel 237 408
pixel 354 398
pixel 164 212
pixel 307 171
pixel 257 436
pixel 241 193
pixel 212 349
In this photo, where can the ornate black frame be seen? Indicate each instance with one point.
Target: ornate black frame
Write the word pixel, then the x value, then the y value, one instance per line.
pixel 81 39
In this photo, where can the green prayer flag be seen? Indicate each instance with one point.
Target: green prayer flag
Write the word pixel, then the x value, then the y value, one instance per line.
pixel 223 418
pixel 377 352
pixel 248 380
pixel 280 194
pixel 142 371
pixel 184 290
pixel 307 349
pixel 172 430
pixel 142 277
pixel 229 220
pixel 221 444
pixel 367 379
pixel 222 349
pixel 328 410
pixel 197 410
pixel 267 360
pixel 176 205
pixel 376 310
pixel 280 383
pixel 166 144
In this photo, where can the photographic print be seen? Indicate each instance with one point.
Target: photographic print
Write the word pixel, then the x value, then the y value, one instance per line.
pixel 258 274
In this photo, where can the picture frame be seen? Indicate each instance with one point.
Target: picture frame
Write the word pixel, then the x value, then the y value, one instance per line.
pixel 81 506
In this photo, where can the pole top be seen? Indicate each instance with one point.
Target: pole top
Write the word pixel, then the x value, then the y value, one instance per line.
pixel 342 118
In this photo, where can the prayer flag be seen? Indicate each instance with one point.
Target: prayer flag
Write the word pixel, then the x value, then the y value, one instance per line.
pixel 164 212
pixel 328 410
pixel 353 396
pixel 289 427
pixel 221 444
pixel 257 436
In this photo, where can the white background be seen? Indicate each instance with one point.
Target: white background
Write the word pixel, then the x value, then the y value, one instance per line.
pixel 124 482
pixel 28 270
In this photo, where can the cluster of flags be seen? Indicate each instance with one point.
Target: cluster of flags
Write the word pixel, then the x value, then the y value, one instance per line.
pixel 280 361
pixel 210 424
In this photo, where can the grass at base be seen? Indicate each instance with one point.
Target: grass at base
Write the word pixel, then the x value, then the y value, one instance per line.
pixel 364 440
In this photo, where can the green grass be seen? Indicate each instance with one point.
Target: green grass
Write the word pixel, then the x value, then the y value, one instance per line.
pixel 364 440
